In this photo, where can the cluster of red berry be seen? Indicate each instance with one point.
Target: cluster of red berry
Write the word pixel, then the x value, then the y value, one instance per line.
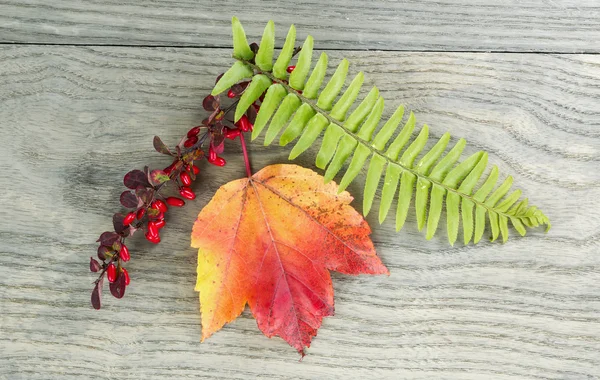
pixel 146 197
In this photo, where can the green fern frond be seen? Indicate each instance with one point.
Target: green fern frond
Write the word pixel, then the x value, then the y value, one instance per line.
pixel 436 181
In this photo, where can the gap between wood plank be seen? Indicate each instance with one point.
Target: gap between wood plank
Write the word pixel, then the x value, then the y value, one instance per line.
pixel 8 43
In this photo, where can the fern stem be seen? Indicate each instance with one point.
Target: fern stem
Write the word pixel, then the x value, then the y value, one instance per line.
pixel 355 136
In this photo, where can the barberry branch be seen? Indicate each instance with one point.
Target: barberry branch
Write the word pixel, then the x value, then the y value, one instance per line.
pixel 146 195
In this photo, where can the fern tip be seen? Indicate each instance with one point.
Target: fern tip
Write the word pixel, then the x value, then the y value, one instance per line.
pixel 293 155
pixel 237 116
pixel 366 208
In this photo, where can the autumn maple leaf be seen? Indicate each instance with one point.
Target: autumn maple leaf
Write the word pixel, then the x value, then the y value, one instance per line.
pixel 270 241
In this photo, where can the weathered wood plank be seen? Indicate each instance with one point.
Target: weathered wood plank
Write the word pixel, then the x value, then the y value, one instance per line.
pixel 75 119
pixel 450 25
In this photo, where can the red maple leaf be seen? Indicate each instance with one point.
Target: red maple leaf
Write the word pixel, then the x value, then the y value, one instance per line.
pixel 270 241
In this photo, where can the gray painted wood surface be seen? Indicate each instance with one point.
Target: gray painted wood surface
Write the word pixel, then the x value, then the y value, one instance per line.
pixel 448 25
pixel 74 119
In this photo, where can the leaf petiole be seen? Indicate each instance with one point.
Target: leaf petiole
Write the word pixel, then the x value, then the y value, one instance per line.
pixel 246 158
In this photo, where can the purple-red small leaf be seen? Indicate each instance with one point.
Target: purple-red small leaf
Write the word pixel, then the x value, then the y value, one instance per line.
pixel 97 294
pixel 158 176
pixel 94 265
pixel 128 199
pixel 144 194
pixel 116 246
pixel 210 103
pixel 152 212
pixel 117 288
pixel 108 238
pixel 131 231
pixel 103 252
pixel 251 114
pixel 192 175
pixel 218 144
pixel 118 223
pixel 160 146
pixel 136 178
pixel 237 89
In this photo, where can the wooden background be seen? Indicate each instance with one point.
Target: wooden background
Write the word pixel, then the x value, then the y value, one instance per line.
pixel 85 85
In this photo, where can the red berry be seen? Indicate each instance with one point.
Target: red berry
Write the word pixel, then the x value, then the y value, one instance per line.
pixel 160 205
pixel 111 272
pixel 160 215
pixel 169 169
pixel 219 161
pixel 126 274
pixel 193 132
pixel 195 169
pixel 190 142
pixel 176 202
pixel 152 229
pixel 153 238
pixel 187 193
pixel 185 178
pixel 244 124
pixel 160 223
pixel 124 253
pixel 129 218
pixel 211 154
pixel 231 133
pixel 140 213
pixel 230 94
pixel 290 69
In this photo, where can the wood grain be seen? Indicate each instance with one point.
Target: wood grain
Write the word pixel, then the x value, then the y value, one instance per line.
pixel 75 119
pixel 448 25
